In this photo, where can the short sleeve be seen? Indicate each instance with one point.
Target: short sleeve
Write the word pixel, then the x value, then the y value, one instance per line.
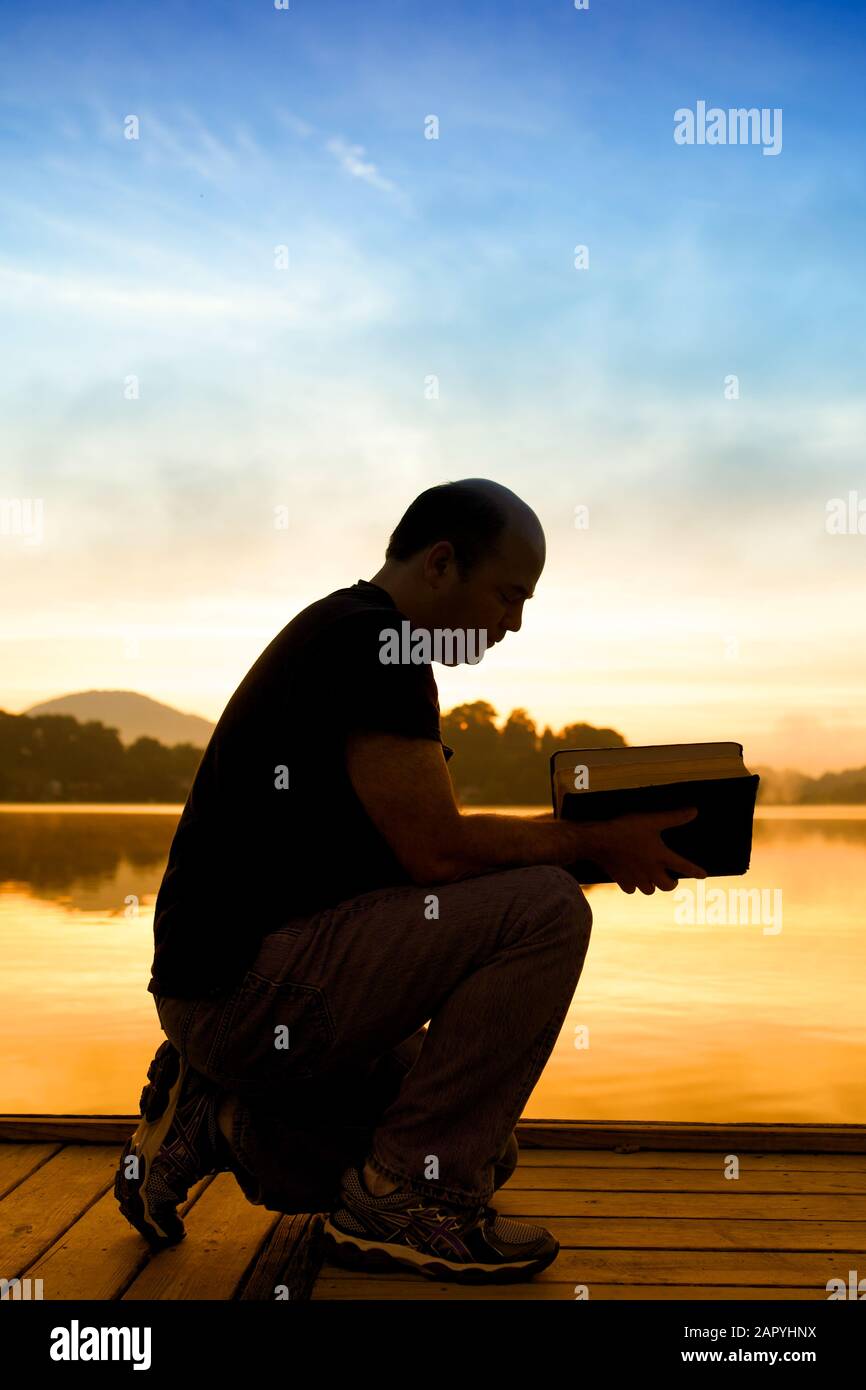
pixel 372 693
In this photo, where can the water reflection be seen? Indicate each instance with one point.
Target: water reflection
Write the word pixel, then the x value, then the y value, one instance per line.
pixel 79 857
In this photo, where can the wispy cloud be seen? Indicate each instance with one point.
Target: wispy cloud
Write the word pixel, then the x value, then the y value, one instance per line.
pixel 351 158
pixel 194 148
pixel 314 299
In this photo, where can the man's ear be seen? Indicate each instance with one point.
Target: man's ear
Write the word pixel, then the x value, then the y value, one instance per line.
pixel 440 558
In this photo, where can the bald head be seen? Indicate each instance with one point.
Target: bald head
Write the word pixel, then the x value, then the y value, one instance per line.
pixel 476 515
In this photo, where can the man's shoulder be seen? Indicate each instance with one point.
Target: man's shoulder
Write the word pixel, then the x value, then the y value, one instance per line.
pixel 345 628
pixel 360 605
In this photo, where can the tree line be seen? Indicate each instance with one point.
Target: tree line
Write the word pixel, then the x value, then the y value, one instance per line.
pixel 55 757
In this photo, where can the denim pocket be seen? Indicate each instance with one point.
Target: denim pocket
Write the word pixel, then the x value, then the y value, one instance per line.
pixel 176 1017
pixel 270 1031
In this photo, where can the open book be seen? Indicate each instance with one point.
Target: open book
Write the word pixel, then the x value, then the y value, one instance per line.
pixel 597 783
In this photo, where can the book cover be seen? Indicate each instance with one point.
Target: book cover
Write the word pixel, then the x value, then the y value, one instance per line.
pixel 719 838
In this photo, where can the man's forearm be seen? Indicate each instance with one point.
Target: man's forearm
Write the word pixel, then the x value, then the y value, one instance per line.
pixel 484 842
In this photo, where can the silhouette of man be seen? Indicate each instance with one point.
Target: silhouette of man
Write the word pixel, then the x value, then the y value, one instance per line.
pixel 325 899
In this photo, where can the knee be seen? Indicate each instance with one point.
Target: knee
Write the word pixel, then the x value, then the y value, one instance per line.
pixel 559 896
pixel 579 903
pixel 573 909
pixel 546 902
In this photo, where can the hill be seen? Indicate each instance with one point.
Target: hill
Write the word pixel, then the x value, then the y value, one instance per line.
pixel 134 716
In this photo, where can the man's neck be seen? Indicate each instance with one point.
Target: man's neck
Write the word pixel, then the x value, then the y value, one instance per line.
pixel 399 585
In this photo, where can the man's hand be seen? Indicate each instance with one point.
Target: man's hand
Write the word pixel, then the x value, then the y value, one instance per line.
pixel 630 848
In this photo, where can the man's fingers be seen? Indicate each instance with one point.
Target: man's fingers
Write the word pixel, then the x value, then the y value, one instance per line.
pixel 665 881
pixel 684 868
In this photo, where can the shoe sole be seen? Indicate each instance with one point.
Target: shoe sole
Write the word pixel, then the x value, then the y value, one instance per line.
pixel 374 1257
pixel 145 1145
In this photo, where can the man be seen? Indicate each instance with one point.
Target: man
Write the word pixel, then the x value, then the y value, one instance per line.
pixel 325 898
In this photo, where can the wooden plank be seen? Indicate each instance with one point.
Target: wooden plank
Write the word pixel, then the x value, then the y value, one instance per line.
pixel 101 1254
pixel 667 1205
pixel 634 1232
pixel 775 1269
pixel 707 1234
pixel 225 1233
pixel 68 1129
pixel 381 1287
pixel 751 1180
pixel 40 1209
pixel 291 1258
pixel 688 1158
pixel 18 1161
pixel 646 1134
pixel 781 1272
pixel 794 1138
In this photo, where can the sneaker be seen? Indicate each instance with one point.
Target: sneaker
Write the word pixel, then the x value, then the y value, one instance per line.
pixel 177 1142
pixel 402 1230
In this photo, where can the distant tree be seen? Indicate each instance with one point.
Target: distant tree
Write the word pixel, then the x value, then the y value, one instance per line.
pixel 53 757
pixel 510 766
pixel 154 772
pixel 843 788
pixel 521 775
pixel 470 730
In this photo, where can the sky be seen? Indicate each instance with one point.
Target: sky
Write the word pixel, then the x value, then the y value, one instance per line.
pixel 237 344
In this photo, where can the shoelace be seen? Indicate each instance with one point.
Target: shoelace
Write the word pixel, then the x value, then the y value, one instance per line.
pixel 482 1214
pixel 485 1215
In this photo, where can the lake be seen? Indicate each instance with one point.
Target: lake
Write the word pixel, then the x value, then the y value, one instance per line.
pixel 702 1008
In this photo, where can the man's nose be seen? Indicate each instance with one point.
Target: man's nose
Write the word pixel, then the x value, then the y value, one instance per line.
pixel 514 621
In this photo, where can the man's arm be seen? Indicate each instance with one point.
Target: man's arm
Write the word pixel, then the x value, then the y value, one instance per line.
pixel 404 786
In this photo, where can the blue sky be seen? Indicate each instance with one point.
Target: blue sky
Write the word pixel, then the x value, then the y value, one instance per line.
pixel 161 569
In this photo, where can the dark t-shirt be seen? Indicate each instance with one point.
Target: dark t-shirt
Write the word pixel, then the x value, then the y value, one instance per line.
pixel 250 852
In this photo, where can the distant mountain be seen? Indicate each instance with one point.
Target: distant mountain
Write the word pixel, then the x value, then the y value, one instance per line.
pixel 132 715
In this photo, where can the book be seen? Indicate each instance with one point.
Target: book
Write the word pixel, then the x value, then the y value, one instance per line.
pixel 595 784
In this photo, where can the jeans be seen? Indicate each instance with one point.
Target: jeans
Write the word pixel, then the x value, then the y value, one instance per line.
pixel 324 1045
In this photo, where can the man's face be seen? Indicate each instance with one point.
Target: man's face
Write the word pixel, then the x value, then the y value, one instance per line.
pixel 491 598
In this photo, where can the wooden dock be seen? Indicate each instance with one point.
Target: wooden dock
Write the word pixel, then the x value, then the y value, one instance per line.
pixel 642 1211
